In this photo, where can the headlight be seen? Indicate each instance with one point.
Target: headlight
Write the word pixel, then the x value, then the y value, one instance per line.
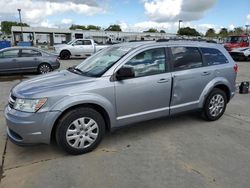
pixel 29 105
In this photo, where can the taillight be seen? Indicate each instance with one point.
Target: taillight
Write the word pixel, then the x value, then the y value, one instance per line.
pixel 236 68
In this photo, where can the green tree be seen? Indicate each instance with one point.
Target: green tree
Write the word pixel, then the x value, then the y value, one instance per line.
pixel 6 26
pixel 151 30
pixel 188 31
pixel 114 27
pixel 238 30
pixel 223 32
pixel 210 33
pixel 74 27
pixel 93 27
pixel 162 31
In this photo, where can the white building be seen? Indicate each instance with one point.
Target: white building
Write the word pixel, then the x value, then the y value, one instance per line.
pixel 50 36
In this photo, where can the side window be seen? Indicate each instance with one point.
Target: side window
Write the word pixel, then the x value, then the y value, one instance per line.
pixel 213 56
pixel 30 53
pixel 186 58
pixel 86 42
pixel 149 62
pixel 78 42
pixel 10 54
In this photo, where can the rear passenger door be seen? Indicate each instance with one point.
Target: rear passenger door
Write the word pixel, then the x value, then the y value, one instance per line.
pixel 29 59
pixel 190 77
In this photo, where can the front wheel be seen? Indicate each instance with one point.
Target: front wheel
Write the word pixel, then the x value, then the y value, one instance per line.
pixel 80 130
pixel 215 105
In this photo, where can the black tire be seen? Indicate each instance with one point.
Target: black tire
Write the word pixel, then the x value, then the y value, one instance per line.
pixel 67 121
pixel 44 68
pixel 65 54
pixel 210 115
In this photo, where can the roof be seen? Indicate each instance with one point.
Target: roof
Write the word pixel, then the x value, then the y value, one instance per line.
pixel 20 47
pixel 167 43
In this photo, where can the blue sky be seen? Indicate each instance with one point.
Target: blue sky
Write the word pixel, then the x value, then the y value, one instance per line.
pixel 132 15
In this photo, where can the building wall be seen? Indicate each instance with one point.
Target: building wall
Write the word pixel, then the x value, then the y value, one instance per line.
pixel 51 36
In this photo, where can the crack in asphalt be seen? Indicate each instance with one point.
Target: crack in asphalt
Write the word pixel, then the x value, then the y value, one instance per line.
pixel 36 162
pixel 237 117
pixel 3 158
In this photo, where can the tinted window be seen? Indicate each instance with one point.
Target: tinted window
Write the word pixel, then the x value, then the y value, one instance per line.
pixel 186 58
pixel 213 56
pixel 78 42
pixel 86 42
pixel 10 54
pixel 30 53
pixel 148 62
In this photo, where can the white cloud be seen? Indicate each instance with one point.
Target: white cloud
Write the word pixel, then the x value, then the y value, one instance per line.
pixel 248 19
pixel 173 10
pixel 36 12
pixel 231 27
pixel 66 21
pixel 143 26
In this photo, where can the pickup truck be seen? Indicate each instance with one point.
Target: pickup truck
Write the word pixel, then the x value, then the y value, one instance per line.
pixel 78 48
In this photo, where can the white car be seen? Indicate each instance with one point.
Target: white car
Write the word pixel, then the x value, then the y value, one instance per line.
pixel 78 48
pixel 241 53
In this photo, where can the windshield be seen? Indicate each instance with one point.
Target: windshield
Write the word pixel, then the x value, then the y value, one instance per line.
pixel 99 63
pixel 71 42
pixel 233 39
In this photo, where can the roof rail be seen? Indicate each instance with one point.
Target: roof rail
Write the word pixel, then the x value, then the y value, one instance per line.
pixel 183 39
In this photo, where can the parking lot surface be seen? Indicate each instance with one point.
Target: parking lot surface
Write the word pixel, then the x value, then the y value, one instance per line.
pixel 180 151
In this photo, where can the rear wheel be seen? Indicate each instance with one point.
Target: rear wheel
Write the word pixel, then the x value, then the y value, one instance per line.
pixel 215 105
pixel 44 68
pixel 80 130
pixel 65 54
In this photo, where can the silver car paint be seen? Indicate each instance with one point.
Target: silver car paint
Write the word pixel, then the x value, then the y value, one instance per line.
pixel 126 101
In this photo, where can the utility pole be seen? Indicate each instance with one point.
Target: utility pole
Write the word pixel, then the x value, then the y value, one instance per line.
pixel 179 25
pixel 20 18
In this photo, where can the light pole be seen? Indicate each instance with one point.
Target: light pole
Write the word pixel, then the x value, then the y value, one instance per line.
pixel 179 24
pixel 20 18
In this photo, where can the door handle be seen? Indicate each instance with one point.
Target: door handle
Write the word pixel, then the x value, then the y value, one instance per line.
pixel 206 73
pixel 163 80
pixel 14 60
pixel 35 59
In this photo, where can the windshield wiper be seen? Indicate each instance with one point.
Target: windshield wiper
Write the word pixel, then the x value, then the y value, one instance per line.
pixel 79 71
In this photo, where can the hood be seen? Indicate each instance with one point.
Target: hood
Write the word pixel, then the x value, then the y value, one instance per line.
pixel 60 45
pixel 56 83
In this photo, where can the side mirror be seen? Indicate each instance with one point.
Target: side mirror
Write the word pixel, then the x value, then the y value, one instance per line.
pixel 125 73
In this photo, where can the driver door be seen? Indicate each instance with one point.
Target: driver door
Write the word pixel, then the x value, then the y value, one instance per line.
pixel 147 95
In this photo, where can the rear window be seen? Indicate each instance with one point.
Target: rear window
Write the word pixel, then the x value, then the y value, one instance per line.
pixel 186 58
pixel 213 56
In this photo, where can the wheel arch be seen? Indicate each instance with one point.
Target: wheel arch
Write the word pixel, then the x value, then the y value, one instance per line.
pixel 220 83
pixel 95 106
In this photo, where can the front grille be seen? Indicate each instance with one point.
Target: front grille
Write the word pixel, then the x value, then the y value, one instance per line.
pixel 12 100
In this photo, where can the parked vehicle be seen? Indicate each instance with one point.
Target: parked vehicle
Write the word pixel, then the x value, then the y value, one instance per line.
pixel 120 85
pixel 78 48
pixel 27 59
pixel 237 41
pixel 240 53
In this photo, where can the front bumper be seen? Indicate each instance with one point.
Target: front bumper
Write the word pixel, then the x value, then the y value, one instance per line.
pixel 29 128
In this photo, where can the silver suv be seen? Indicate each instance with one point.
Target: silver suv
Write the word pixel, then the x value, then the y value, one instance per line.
pixel 120 85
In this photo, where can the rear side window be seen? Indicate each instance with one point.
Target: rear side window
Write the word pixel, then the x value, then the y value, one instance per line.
pixel 186 58
pixel 86 42
pixel 213 56
pixel 30 53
